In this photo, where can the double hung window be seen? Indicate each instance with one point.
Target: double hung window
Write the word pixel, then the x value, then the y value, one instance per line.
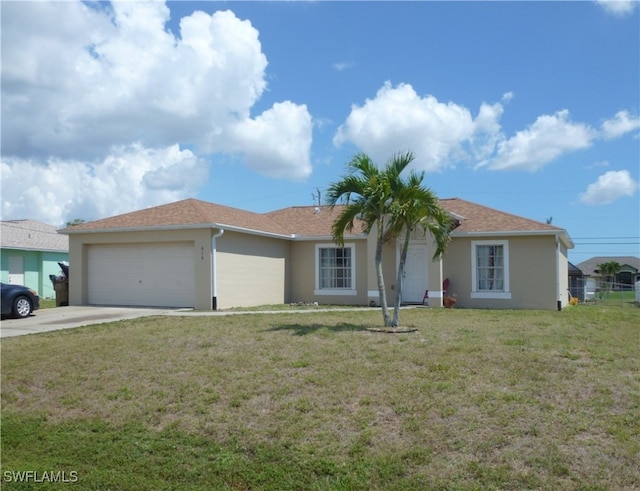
pixel 490 269
pixel 335 270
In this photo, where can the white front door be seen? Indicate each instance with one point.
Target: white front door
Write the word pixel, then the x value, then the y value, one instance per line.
pixel 415 279
pixel 16 270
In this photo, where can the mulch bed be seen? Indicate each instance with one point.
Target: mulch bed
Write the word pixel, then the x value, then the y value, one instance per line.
pixel 393 330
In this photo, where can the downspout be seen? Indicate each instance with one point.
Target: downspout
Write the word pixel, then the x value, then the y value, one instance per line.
pixel 214 270
pixel 559 298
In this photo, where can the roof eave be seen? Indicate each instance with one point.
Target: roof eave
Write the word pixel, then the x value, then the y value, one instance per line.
pixel 242 230
pixel 301 237
pixel 188 226
pixel 561 234
pixel 35 249
pixel 455 215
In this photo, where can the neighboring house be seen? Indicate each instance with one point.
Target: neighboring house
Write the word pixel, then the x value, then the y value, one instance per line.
pixel 202 255
pixel 30 252
pixel 628 275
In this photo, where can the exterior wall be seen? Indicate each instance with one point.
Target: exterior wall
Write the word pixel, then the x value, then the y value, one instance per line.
pixel 563 275
pixel 436 277
pixel 200 238
pixel 303 274
pixel 534 278
pixel 251 270
pixel 38 265
pixel 256 270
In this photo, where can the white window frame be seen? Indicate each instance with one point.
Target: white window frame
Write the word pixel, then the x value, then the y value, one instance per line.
pixel 504 294
pixel 335 291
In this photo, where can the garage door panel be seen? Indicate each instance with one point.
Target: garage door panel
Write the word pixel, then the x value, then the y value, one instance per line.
pixel 157 275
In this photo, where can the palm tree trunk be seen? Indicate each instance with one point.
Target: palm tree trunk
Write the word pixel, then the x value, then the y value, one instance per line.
pixel 403 261
pixel 382 292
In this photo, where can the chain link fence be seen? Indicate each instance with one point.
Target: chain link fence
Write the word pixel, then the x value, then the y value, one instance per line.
pixel 602 291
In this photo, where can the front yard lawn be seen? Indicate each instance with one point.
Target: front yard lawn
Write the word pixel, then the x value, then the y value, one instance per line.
pixel 471 400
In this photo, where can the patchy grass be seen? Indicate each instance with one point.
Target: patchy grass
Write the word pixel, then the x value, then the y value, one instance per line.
pixel 292 306
pixel 619 298
pixel 47 303
pixel 471 400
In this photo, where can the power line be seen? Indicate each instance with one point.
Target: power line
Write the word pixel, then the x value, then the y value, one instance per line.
pixel 601 253
pixel 607 243
pixel 607 238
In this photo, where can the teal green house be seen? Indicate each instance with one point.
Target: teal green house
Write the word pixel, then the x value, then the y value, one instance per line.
pixel 30 252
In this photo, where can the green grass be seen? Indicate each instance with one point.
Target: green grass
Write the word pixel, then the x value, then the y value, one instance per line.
pixel 47 303
pixel 291 306
pixel 472 400
pixel 626 298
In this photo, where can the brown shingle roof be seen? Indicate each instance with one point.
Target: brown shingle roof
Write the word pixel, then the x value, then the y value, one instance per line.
pixel 300 221
pixel 186 212
pixel 309 221
pixel 479 218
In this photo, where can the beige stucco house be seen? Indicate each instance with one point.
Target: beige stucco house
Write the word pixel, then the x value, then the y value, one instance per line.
pixel 207 256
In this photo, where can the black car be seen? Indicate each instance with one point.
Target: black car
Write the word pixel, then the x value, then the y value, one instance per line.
pixel 18 300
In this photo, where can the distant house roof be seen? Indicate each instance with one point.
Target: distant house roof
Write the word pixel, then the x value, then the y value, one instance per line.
pixel 573 269
pixel 300 221
pixel 590 266
pixel 31 235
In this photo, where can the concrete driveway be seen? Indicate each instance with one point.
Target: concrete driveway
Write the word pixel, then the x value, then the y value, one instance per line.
pixel 68 317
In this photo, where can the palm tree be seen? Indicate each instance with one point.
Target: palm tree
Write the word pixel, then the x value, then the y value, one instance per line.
pixel 366 194
pixel 609 270
pixel 382 199
pixel 413 206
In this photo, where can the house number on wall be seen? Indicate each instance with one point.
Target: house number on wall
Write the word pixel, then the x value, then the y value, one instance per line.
pixel 202 252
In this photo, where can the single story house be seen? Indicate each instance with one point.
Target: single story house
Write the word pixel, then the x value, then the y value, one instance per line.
pixel 29 252
pixel 207 256
pixel 627 277
pixel 629 268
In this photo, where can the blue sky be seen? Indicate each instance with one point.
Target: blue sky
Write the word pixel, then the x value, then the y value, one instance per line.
pixel 531 108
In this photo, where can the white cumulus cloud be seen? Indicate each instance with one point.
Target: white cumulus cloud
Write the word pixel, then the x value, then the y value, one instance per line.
pixel 343 65
pixel 440 134
pixel 618 8
pixel 279 135
pixel 609 187
pixel 549 137
pixel 129 178
pixel 81 80
pixel 620 124
pixel 444 134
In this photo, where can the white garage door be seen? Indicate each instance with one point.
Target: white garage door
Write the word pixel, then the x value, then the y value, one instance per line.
pixel 158 275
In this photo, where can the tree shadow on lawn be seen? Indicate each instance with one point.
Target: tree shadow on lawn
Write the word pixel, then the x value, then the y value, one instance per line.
pixel 304 329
